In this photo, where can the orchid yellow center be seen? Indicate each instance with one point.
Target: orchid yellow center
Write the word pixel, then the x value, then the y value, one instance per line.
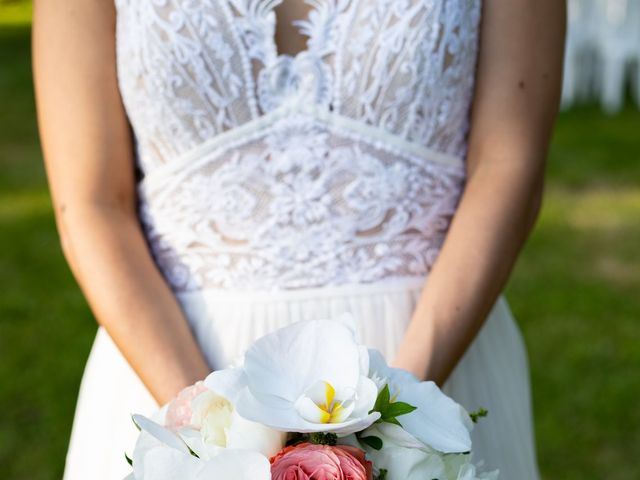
pixel 321 404
pixel 330 408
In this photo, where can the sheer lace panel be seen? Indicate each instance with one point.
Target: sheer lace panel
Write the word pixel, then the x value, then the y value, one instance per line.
pixel 342 163
pixel 301 205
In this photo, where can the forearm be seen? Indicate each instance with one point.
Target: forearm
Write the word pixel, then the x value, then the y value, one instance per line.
pixel 487 233
pixel 516 99
pixel 112 263
pixel 89 157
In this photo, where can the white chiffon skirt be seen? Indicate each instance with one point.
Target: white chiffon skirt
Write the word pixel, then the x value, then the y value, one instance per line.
pixel 493 373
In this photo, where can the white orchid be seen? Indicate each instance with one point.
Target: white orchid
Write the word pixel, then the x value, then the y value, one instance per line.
pixel 404 457
pixel 311 376
pixel 161 454
pixel 438 421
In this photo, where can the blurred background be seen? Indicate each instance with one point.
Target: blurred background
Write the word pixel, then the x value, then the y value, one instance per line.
pixel 575 290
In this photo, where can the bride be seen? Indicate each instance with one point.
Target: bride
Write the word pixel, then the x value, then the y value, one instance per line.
pixel 220 169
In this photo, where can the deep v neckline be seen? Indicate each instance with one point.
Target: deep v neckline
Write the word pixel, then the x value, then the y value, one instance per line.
pixel 302 77
pixel 302 26
pixel 312 27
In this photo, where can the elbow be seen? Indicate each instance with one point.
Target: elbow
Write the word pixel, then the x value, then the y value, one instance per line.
pixel 82 223
pixel 78 224
pixel 534 206
pixel 67 250
pixel 65 239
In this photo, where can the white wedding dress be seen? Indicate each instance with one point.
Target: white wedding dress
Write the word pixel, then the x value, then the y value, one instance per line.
pixel 276 188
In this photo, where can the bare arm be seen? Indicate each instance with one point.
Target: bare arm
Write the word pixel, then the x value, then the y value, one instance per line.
pixel 89 161
pixel 515 104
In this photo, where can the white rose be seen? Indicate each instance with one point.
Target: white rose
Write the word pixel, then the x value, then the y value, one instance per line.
pixel 211 414
pixel 220 427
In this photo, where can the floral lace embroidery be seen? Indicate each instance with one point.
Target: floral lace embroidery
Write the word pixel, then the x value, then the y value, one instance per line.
pixel 298 202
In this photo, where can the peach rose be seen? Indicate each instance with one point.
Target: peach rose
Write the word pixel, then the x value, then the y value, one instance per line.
pixel 308 461
pixel 179 410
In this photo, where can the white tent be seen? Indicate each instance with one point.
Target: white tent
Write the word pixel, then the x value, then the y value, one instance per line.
pixel 602 52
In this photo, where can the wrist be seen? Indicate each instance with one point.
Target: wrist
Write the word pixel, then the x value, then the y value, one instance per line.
pixel 416 349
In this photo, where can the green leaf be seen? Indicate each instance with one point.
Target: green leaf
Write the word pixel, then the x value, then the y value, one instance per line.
pixel 480 413
pixel 390 410
pixel 383 400
pixel 372 441
pixel 193 454
pixel 393 420
pixel 395 409
pixel 129 461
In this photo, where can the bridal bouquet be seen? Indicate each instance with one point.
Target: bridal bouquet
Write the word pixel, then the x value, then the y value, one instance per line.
pixel 308 403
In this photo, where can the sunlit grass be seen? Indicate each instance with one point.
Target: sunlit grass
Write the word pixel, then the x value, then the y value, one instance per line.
pixel 575 293
pixel 15 12
pixel 21 205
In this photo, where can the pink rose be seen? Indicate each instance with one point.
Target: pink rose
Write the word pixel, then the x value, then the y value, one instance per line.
pixel 179 410
pixel 308 461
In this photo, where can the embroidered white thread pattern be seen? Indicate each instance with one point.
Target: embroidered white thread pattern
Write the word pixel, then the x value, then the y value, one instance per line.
pixel 300 202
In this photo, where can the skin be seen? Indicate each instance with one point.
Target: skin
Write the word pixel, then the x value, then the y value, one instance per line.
pixel 287 36
pixel 89 161
pixel 88 153
pixel 515 104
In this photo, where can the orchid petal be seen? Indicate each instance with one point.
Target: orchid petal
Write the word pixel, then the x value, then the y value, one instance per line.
pixel 403 456
pixel 292 378
pixel 289 420
pixel 195 441
pixel 285 363
pixel 247 435
pixel 438 421
pixel 394 376
pixel 164 463
pixel 407 464
pixel 366 394
pixel 227 383
pixel 310 411
pixel 396 435
pixel 162 434
pixel 236 465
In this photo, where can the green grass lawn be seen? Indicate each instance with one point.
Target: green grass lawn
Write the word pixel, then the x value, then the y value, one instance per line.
pixel 574 292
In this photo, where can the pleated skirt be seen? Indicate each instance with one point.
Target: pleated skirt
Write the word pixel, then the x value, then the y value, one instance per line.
pixel 493 373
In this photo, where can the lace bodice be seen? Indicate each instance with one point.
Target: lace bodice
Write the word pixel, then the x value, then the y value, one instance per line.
pixel 341 164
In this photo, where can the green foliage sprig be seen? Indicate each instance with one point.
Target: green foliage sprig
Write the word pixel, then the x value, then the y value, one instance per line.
pixel 389 410
pixel 382 474
pixel 478 414
pixel 322 438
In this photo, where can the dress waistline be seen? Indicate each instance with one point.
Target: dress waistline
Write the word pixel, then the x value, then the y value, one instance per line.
pixel 392 285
